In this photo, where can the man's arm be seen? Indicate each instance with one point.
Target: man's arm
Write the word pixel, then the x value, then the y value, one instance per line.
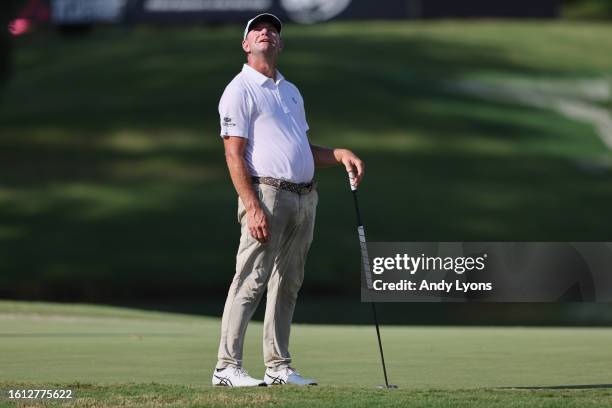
pixel 326 157
pixel 234 156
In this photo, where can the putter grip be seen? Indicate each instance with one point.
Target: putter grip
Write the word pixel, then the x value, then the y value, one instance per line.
pixel 352 181
pixel 365 258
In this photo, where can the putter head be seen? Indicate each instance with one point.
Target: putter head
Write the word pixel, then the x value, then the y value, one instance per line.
pixel 383 386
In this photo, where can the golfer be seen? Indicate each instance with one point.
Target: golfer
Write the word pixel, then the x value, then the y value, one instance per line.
pixel 271 164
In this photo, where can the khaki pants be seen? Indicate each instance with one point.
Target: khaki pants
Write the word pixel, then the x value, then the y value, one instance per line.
pixel 277 266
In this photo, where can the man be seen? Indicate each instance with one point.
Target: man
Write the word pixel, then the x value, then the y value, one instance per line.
pixel 271 164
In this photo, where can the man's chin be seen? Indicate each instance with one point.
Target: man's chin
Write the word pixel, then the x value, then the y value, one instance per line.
pixel 268 50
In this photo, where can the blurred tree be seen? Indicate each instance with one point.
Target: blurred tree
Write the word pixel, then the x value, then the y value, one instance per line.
pixel 6 12
pixel 9 11
pixel 587 9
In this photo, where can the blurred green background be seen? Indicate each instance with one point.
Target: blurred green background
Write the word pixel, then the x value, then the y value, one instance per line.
pixel 587 9
pixel 113 185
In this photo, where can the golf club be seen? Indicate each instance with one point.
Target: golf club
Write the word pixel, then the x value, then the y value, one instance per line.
pixel 365 259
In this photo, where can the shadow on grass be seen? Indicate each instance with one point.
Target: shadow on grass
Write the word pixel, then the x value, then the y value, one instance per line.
pixel 86 334
pixel 111 239
pixel 313 308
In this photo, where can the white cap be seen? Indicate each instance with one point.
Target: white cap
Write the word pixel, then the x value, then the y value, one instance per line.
pixel 271 18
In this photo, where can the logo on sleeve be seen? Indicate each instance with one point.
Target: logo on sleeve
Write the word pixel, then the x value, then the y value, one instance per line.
pixel 227 122
pixel 294 100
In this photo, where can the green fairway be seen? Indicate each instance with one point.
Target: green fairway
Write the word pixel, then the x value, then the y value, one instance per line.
pixel 113 176
pixel 112 356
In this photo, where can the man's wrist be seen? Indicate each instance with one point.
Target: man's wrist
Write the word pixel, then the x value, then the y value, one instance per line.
pixel 251 205
pixel 338 154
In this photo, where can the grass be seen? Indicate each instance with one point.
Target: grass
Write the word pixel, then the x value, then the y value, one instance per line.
pixel 114 185
pixel 161 395
pixel 121 357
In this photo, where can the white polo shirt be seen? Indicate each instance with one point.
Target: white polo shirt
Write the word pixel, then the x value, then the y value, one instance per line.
pixel 271 116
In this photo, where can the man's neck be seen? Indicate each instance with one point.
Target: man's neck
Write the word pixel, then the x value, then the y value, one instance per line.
pixel 263 66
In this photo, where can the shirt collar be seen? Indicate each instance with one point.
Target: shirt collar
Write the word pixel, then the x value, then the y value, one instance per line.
pixel 258 77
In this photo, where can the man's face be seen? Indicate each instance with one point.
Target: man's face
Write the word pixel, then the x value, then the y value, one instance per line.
pixel 262 39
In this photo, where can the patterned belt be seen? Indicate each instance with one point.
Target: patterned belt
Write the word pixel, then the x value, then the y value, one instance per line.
pixel 298 188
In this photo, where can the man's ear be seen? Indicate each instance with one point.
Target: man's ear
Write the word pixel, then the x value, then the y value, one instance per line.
pixel 245 46
pixel 281 44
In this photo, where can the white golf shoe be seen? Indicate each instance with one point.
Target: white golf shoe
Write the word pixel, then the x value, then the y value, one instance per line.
pixel 232 376
pixel 286 375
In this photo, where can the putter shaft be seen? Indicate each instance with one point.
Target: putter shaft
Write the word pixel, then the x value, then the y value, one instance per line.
pixel 365 261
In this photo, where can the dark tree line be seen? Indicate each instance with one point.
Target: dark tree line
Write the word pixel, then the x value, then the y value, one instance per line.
pixel 7 11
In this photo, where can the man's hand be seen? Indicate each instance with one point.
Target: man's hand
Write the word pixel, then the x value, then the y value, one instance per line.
pixel 352 163
pixel 258 224
pixel 256 218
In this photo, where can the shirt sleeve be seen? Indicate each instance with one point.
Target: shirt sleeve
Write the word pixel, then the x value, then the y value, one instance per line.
pixel 234 112
pixel 302 114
